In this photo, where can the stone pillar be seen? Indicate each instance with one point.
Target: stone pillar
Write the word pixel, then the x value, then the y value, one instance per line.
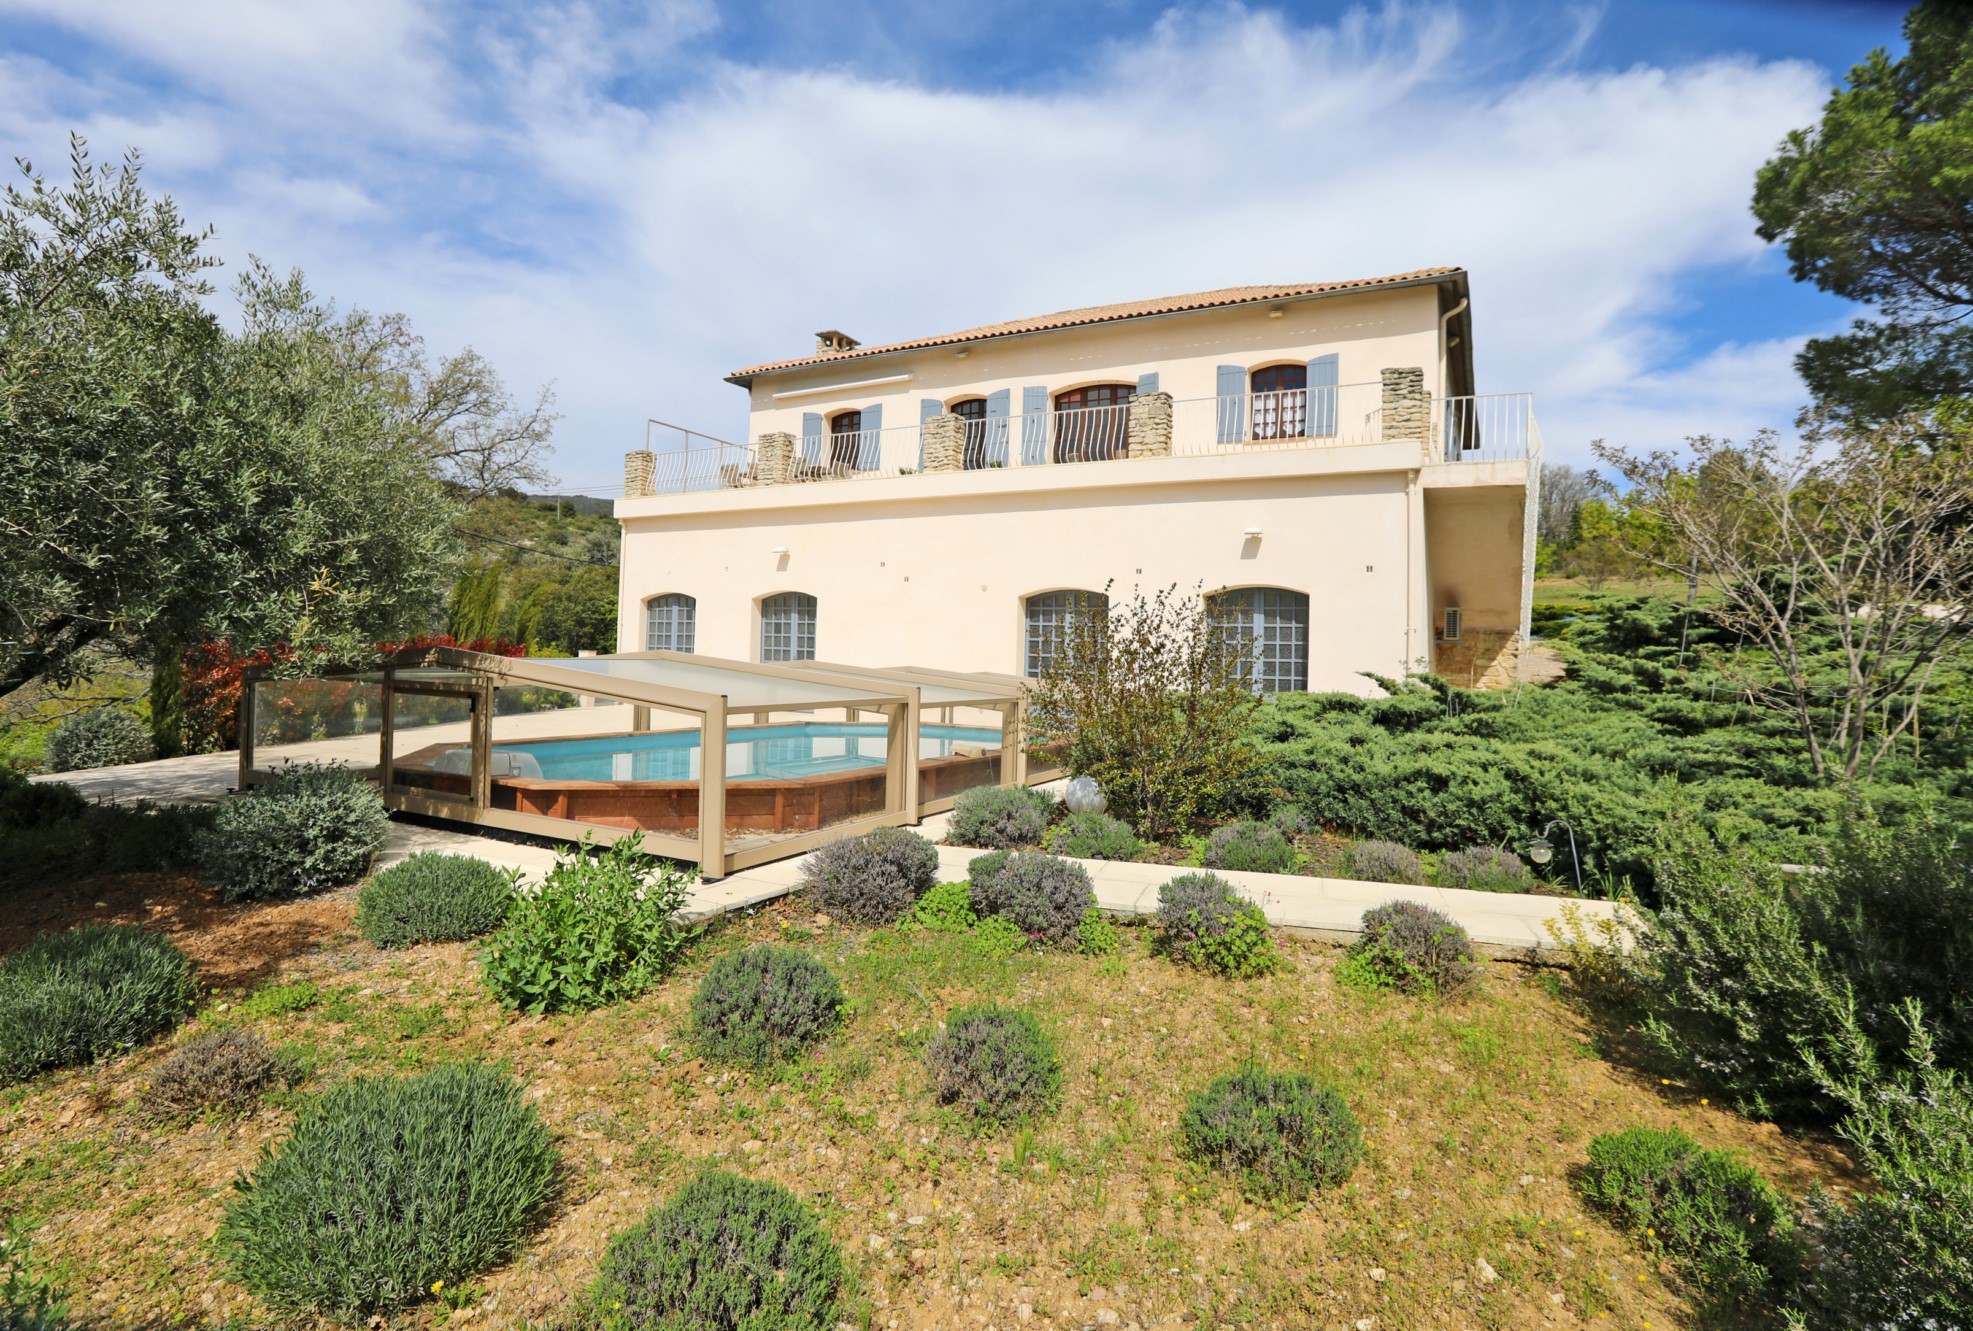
pixel 1149 432
pixel 640 474
pixel 1407 413
pixel 774 459
pixel 945 443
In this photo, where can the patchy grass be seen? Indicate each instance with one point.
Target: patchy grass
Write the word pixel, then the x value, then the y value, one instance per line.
pixel 1474 1112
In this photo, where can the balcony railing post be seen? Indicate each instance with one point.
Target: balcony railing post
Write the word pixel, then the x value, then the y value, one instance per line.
pixel 640 470
pixel 945 443
pixel 1407 411
pixel 774 458
pixel 1148 429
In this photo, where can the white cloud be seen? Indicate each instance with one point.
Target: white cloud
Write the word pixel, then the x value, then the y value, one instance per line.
pixel 635 248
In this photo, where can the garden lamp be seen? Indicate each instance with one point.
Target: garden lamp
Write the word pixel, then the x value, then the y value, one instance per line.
pixel 1541 850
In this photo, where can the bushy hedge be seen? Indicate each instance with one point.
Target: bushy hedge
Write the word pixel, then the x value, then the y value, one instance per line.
pixel 317 826
pixel 1093 836
pixel 1745 968
pixel 1485 869
pixel 1249 846
pixel 434 898
pixel 725 1254
pixel 387 1186
pixel 598 929
pixel 1000 817
pixel 1043 896
pixel 1281 1133
pixel 227 1070
pixel 871 879
pixel 1204 921
pixel 50 833
pixel 765 1006
pixel 1727 1229
pixel 1415 948
pixel 101 737
pixel 96 990
pixel 1382 862
pixel 995 1062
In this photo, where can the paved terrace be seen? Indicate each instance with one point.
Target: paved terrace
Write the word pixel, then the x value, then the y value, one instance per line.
pixel 1504 925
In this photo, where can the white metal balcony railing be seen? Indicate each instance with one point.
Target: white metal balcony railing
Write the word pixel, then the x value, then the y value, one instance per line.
pixel 1498 427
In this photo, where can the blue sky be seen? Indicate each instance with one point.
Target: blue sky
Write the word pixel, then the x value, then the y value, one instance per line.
pixel 630 200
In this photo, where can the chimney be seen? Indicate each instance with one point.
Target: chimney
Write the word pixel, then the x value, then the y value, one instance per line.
pixel 830 340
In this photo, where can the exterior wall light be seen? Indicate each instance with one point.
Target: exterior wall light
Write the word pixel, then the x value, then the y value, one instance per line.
pixel 779 550
pixel 1276 311
pixel 1253 532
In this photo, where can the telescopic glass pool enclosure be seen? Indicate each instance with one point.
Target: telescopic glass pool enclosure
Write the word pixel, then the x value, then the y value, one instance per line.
pixel 725 763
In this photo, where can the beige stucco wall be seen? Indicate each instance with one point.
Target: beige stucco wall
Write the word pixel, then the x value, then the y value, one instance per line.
pixel 933 570
pixel 1368 332
pixel 1473 540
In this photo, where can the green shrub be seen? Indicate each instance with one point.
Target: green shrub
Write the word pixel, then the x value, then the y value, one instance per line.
pixel 1718 1219
pixel 1281 1133
pixel 50 833
pixel 1382 862
pixel 981 868
pixel 764 1006
pixel 1250 847
pixel 1290 821
pixel 28 1302
pixel 1417 949
pixel 871 879
pixel 946 909
pixel 1041 895
pixel 1204 921
pixel 96 990
pixel 387 1186
pixel 318 826
pixel 227 1070
pixel 1000 817
pixel 725 1254
pixel 997 936
pixel 598 929
pixel 434 898
pixel 1898 1254
pixel 995 1062
pixel 1485 869
pixel 101 737
pixel 1097 935
pixel 1093 836
pixel 1743 967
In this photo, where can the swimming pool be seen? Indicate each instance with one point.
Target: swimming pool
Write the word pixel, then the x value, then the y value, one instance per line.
pixel 758 753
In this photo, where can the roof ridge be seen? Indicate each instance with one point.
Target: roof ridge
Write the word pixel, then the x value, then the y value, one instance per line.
pixel 1084 315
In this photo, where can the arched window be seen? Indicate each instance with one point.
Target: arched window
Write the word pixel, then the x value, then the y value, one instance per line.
pixel 1093 424
pixel 787 627
pixel 1051 615
pixel 1280 401
pixel 845 442
pixel 671 623
pixel 1272 624
pixel 972 410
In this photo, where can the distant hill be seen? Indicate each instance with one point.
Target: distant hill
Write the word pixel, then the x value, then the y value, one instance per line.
pixel 589 504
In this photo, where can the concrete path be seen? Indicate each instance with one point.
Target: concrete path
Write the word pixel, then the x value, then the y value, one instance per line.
pixel 1504 925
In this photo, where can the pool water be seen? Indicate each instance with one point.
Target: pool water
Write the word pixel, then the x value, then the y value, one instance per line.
pixel 752 752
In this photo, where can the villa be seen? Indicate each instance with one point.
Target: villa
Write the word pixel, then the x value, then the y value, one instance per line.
pixel 1312 457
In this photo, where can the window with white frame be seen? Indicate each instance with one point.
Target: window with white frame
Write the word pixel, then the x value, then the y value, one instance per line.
pixel 1051 615
pixel 671 623
pixel 787 627
pixel 1270 623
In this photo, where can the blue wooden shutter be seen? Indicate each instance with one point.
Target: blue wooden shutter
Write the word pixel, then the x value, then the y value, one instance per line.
pixel 1147 383
pixel 1232 395
pixel 1034 425
pixel 812 438
pixel 1000 405
pixel 870 443
pixel 928 407
pixel 1322 395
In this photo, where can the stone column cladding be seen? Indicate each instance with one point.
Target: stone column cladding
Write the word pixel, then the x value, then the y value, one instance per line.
pixel 640 474
pixel 1481 659
pixel 774 459
pixel 1148 434
pixel 1407 411
pixel 945 443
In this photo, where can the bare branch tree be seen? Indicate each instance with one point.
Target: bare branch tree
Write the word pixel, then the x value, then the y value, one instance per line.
pixel 1848 560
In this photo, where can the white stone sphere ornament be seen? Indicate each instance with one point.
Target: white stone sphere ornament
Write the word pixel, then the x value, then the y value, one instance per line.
pixel 1084 795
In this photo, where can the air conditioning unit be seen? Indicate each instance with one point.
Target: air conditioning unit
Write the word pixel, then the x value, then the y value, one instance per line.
pixel 1451 633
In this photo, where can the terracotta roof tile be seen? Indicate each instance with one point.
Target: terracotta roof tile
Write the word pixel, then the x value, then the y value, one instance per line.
pixel 1096 314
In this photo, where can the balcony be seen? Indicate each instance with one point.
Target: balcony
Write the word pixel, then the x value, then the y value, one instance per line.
pixel 1496 427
